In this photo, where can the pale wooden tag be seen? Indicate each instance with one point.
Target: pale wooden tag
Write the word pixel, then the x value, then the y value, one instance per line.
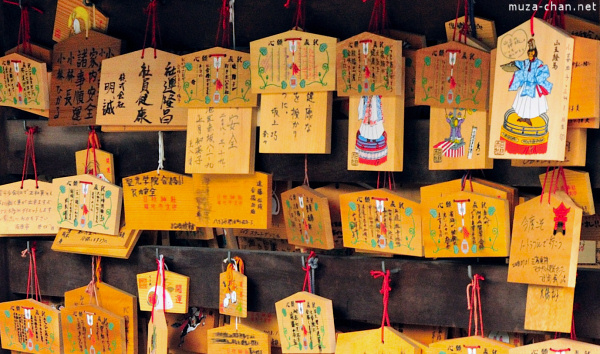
pixel 114 300
pixel 28 211
pixel 529 117
pixel 485 29
pixel 158 334
pixel 24 82
pixel 370 341
pixel 307 218
pixel 369 64
pixel 105 163
pixel 215 77
pixel 233 294
pixel 578 188
pixel 92 329
pixel 424 334
pixel 160 201
pixel 140 92
pixel 221 140
pixel 295 123
pixel 452 75
pixel 87 203
pixel 549 308
pixel 38 52
pixel 575 151
pixel 94 244
pixel 557 346
pixel 545 241
pixel 76 82
pixel 73 17
pixel 234 201
pixel 266 322
pixel 383 221
pixel 176 294
pixel 458 139
pixel 584 97
pixel 587 252
pixel 293 61
pixel 376 133
pixel 306 324
pixel 238 339
pixel 466 224
pixel 31 327
pixel 469 345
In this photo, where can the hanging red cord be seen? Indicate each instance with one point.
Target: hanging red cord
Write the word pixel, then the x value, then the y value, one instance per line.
pixel 379 20
pixel 307 269
pixel 33 283
pixel 474 305
pixel 92 144
pixel 223 38
pixel 385 291
pixel 29 155
pixel 299 20
pixel 151 11
pixel 24 37
pixel 160 274
pixel 532 16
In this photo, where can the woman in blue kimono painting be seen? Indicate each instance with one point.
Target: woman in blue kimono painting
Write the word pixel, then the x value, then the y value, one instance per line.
pixel 530 80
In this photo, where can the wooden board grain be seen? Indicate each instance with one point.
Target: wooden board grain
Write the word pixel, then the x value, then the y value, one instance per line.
pixel 545 241
pixel 94 244
pixel 575 152
pixel 158 334
pixel 73 17
pixel 138 91
pixel 582 28
pixel 293 61
pixel 584 96
pixel 91 328
pixel 485 30
pixel 384 340
pixel 470 345
pixel 38 52
pixel 458 139
pixel 76 81
pixel 525 124
pixel 295 123
pixel 27 211
pixel 160 201
pixel 24 82
pixel 97 160
pixel 221 140
pixel 452 75
pixel 216 77
pixel 306 324
pixel 176 292
pixel 560 345
pixel 369 64
pixel 549 308
pixel 238 339
pixel 376 133
pixel 266 322
pixel 578 187
pixel 234 201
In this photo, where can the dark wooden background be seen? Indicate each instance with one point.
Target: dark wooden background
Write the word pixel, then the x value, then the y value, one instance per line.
pixel 424 292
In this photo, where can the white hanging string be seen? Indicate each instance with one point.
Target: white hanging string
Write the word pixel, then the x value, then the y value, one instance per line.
pixel 161 152
pixel 232 20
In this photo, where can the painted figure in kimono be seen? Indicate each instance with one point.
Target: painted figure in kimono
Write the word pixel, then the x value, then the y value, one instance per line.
pixel 371 138
pixel 79 20
pixel 525 128
pixel 453 146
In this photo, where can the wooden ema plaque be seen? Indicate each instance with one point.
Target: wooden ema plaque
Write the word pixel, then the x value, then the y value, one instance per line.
pixel 485 29
pixel 295 123
pixel 221 140
pixel 23 82
pixel 480 186
pixel 138 92
pixel 578 188
pixel 116 301
pixel 160 201
pixel 28 211
pixel 452 75
pixel 76 82
pixel 266 322
pixel 545 241
pixel 233 294
pixel 584 97
pixel 94 244
pixel 333 192
pixel 87 203
pixel 369 64
pixel 176 292
pixel 466 224
pixel 216 77
pixel 104 164
pixel 557 346
pixel 92 329
pixel 530 107
pixel 293 61
pixel 158 334
pixel 238 339
pixel 382 221
pixel 458 139
pixel 549 308
pixel 31 327
pixel 376 133
pixel 469 345
pixel 370 342
pixel 306 324
pixel 575 152
pixel 38 52
pixel 234 201
pixel 307 218
pixel 73 17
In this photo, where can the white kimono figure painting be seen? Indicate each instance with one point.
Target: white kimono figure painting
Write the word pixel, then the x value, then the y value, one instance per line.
pixel 371 138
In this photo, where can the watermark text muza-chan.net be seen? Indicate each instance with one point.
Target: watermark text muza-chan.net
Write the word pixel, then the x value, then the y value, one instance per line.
pixel 553 7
